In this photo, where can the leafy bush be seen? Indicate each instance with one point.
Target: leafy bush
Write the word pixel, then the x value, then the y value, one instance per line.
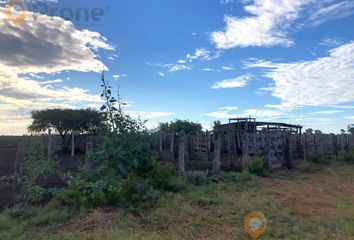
pixel 347 157
pixel 139 194
pixel 257 167
pixel 122 173
pixel 197 178
pixel 38 166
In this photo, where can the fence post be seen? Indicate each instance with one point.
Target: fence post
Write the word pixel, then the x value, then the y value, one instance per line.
pixel 289 151
pixel 20 154
pixel 73 144
pixel 181 155
pixel 269 151
pixel 217 153
pixel 173 142
pixel 208 143
pixel 49 143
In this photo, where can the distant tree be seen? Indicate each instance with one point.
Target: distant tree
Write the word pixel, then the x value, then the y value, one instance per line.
pixel 351 129
pixel 217 123
pixel 309 131
pixel 66 121
pixel 318 132
pixel 342 131
pixel 180 125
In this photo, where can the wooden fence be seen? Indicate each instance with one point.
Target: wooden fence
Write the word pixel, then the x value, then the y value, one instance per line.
pixel 204 151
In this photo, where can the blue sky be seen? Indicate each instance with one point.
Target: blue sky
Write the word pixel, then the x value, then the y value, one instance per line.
pixel 204 60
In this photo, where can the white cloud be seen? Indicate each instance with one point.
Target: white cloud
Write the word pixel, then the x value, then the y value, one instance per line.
pixel 238 82
pixel 117 76
pixel 149 115
pixel 210 70
pixel 342 107
pixel 329 112
pixel 226 68
pixel 270 21
pixel 226 1
pixel 322 82
pixel 349 117
pixel 331 42
pixel 51 82
pixel 223 113
pixel 171 67
pixel 178 67
pixel 202 54
pixel 267 25
pixel 337 10
pixel 229 112
pixel 31 49
pixel 263 113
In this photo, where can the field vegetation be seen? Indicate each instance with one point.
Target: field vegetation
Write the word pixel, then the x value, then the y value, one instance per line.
pixel 311 202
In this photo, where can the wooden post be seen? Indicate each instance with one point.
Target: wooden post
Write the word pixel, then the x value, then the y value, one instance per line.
pixel 49 143
pixel 288 151
pixel 20 153
pixel 73 144
pixel 269 151
pixel 197 140
pixel 182 150
pixel 208 143
pixel 229 156
pixel 217 153
pixel 160 143
pixel 305 148
pixel 173 142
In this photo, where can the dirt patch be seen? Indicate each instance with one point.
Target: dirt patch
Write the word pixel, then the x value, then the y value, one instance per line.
pixel 315 196
pixel 90 223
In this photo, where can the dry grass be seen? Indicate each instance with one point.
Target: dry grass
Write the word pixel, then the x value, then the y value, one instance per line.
pixel 316 204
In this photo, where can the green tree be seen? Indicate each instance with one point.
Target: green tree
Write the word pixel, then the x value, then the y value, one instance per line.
pixel 180 125
pixel 216 125
pixel 309 131
pixel 351 129
pixel 66 121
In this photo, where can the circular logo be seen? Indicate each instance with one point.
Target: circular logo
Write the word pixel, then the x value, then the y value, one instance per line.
pixel 255 224
pixel 16 20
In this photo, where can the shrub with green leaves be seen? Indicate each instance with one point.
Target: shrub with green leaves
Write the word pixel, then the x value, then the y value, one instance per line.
pixel 37 168
pixel 347 157
pixel 122 173
pixel 257 167
pixel 197 178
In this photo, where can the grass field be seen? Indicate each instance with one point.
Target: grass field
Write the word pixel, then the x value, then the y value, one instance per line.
pixel 309 203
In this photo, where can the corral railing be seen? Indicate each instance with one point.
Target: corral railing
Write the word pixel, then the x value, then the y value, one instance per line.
pixel 204 151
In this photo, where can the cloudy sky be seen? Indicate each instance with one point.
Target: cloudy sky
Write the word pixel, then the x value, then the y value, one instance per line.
pixel 204 60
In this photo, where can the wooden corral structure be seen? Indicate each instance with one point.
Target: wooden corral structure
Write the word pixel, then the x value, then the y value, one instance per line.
pixel 246 138
pixel 227 148
pixel 250 125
